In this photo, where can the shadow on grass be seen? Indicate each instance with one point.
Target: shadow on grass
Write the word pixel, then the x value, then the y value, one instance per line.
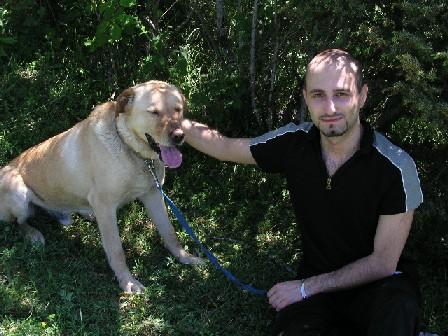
pixel 65 285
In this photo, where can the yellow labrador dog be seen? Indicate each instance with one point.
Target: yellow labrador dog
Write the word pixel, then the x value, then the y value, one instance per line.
pixel 98 165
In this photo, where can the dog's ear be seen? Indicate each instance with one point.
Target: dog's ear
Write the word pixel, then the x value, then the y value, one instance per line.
pixel 123 100
pixel 184 102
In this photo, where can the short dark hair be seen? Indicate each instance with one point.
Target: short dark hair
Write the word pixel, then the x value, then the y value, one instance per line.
pixel 334 55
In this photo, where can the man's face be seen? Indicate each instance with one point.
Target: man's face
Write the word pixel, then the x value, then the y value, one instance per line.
pixel 332 97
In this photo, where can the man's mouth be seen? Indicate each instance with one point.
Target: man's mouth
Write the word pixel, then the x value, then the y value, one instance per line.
pixel 170 155
pixel 331 119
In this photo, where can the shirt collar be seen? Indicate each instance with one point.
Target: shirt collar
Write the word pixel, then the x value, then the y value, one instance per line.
pixel 367 137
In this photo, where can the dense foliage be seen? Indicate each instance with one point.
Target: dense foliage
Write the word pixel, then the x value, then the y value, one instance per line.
pixel 241 65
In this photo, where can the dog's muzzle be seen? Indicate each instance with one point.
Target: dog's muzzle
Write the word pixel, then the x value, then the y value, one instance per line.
pixel 170 155
pixel 177 136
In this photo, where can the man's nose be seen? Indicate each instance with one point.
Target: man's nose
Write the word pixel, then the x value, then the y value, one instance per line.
pixel 330 106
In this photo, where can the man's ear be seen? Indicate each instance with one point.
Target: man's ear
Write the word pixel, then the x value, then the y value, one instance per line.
pixel 304 96
pixel 124 100
pixel 364 91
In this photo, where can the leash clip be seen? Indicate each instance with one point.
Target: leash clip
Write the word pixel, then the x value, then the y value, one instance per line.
pixel 152 170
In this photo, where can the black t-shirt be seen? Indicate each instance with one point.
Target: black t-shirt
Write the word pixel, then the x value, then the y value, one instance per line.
pixel 338 215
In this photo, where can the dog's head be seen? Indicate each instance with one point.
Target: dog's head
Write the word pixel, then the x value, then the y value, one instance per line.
pixel 153 113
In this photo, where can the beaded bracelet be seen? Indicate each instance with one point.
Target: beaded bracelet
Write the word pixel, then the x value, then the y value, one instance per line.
pixel 302 290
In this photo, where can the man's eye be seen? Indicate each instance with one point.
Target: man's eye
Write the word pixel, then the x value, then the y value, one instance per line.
pixel 154 113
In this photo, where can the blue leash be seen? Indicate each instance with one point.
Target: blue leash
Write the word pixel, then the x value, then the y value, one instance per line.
pixel 180 217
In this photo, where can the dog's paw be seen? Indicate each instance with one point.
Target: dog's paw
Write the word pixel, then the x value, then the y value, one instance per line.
pixel 35 237
pixel 131 286
pixel 189 259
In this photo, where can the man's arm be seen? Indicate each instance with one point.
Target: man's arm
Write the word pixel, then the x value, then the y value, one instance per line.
pixel 212 143
pixel 390 238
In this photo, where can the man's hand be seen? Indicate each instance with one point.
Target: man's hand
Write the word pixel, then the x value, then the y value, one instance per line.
pixel 284 294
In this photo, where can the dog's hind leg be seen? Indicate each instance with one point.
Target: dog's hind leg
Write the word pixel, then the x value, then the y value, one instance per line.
pixel 155 206
pixel 15 203
pixel 22 211
pixel 30 233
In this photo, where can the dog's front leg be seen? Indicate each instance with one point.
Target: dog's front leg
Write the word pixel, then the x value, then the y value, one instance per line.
pixel 106 218
pixel 155 206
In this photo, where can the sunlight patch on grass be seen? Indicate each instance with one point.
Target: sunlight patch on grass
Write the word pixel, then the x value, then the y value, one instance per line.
pixel 29 71
pixel 269 237
pixel 29 326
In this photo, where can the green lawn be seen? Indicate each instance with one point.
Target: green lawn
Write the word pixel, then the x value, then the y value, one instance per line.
pixel 67 288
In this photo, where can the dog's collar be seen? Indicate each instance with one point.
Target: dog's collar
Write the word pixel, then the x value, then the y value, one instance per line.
pixel 141 149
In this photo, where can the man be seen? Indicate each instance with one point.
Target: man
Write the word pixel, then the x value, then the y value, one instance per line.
pixel 354 195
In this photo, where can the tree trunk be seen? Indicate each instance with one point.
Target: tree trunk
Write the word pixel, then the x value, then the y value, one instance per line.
pixel 219 17
pixel 271 109
pixel 252 63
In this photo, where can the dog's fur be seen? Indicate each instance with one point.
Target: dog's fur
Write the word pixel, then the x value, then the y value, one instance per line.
pixel 98 165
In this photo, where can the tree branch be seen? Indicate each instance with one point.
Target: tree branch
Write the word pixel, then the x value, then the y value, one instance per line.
pixel 208 37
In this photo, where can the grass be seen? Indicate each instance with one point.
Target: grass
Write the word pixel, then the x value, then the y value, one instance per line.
pixel 66 287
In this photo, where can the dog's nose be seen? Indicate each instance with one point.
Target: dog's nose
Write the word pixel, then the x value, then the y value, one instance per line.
pixel 177 136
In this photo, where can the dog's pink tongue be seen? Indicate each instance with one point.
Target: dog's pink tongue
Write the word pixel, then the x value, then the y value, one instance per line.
pixel 171 156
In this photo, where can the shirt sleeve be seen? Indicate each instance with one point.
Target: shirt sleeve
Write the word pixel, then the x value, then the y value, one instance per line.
pixel 404 192
pixel 269 149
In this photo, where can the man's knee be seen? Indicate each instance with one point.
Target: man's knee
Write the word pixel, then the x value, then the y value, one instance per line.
pixel 407 308
pixel 402 304
pixel 313 317
pixel 399 315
